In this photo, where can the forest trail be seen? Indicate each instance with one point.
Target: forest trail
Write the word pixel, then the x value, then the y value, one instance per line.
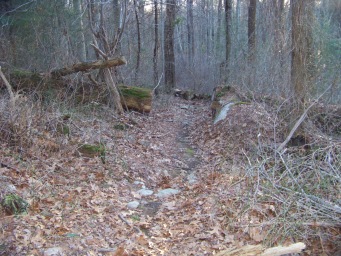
pixel 145 200
pixel 172 184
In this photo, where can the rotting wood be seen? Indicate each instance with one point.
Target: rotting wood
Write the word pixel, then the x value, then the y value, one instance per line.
pixel 259 250
pixel 85 66
pixel 136 98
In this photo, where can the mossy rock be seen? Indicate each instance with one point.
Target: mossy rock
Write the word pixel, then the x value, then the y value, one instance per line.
pixel 136 98
pixel 92 150
pixel 14 204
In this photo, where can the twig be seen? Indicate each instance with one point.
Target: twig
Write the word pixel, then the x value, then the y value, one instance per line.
pixel 157 84
pixel 127 222
pixel 270 223
pixel 99 51
pixel 299 121
pixel 9 89
pixel 92 79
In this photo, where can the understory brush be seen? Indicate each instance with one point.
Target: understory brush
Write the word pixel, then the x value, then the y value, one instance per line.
pixel 302 186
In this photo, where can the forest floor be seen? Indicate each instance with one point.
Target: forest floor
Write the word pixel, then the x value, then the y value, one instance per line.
pixel 172 184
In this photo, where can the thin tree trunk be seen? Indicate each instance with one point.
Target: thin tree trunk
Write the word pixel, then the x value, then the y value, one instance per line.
pixel 156 43
pixel 169 46
pixel 277 17
pixel 77 5
pixel 190 32
pixel 117 24
pixel 137 67
pixel 102 46
pixel 301 49
pixel 238 20
pixel 218 43
pixel 252 30
pixel 113 90
pixel 228 21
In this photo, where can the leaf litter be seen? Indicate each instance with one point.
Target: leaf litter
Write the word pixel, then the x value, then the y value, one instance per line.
pixel 78 205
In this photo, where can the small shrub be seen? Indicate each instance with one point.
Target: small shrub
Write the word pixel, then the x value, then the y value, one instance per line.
pixel 14 204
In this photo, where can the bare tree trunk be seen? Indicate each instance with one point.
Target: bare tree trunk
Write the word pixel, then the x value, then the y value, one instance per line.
pixel 156 43
pixel 113 90
pixel 103 47
pixel 218 45
pixel 77 5
pixel 252 30
pixel 169 46
pixel 301 49
pixel 117 24
pixel 137 67
pixel 228 21
pixel 190 32
pixel 277 18
pixel 238 19
pixel 301 57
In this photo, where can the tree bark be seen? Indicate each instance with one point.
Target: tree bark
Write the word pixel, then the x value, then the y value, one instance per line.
pixel 218 44
pixel 169 46
pixel 228 24
pixel 138 57
pixel 252 30
pixel 81 47
pixel 113 90
pixel 85 66
pixel 156 43
pixel 301 56
pixel 190 32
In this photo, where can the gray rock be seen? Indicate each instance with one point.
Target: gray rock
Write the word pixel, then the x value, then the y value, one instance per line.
pixel 223 112
pixel 192 178
pixel 145 192
pixel 55 251
pixel 167 192
pixel 133 205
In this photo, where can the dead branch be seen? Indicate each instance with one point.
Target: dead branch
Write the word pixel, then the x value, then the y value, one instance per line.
pixel 299 121
pixel 259 250
pixel 9 89
pixel 85 66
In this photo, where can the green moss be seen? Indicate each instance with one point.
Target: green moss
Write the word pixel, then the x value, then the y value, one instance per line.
pixel 135 217
pixel 89 150
pixel 138 92
pixel 190 151
pixel 14 204
pixel 25 74
pixel 222 92
pixel 120 127
pixel 64 129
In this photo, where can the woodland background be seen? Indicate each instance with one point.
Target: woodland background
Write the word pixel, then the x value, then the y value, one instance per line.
pixel 211 42
pixel 78 175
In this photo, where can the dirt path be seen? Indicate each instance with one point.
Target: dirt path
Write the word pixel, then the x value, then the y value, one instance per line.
pixel 162 142
pixel 80 206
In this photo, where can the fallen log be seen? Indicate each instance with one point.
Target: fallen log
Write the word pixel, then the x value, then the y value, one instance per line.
pixel 136 98
pixel 85 66
pixel 248 250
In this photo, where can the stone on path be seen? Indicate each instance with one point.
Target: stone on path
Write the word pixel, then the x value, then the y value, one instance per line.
pixel 55 251
pixel 145 192
pixel 133 205
pixel 167 192
pixel 192 178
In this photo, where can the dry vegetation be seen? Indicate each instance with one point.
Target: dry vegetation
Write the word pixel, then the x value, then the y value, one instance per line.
pixel 244 192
